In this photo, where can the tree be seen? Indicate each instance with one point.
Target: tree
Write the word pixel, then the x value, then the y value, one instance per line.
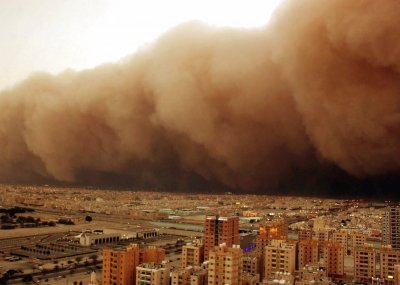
pixel 88 219
pixel 78 259
pixel 94 257
pixel 27 278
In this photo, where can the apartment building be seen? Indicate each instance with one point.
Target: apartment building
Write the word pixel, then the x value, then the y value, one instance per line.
pixel 192 254
pixel 225 265
pixel 153 274
pixel 219 230
pixel 119 265
pixel 307 253
pixel 280 256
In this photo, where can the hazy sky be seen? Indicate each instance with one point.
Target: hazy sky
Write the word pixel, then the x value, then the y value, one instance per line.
pixel 53 35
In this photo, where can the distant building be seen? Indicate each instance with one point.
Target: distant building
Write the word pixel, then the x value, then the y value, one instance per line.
pixel 305 234
pixel 341 237
pixel 322 236
pixel 152 254
pixel 98 238
pixel 357 239
pixel 391 228
pixel 307 253
pixel 334 258
pixel 219 230
pixel 275 229
pixel 119 265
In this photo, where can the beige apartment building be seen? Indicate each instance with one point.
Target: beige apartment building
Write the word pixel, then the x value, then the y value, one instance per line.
pixel 334 258
pixel 275 229
pixel 322 236
pixel 364 263
pixel 225 265
pixel 388 259
pixel 250 263
pixel 307 253
pixel 280 256
pixel 192 254
pixel 119 265
pixel 391 227
pixel 342 238
pixel 357 239
pixel 153 274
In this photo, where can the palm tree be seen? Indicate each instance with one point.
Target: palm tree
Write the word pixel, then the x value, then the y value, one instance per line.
pixel 94 258
pixel 78 259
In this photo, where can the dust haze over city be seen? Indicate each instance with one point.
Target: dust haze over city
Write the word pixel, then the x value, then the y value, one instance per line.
pixel 200 143
pixel 307 102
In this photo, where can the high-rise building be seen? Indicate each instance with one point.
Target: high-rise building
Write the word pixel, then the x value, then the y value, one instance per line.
pixel 334 258
pixel 119 265
pixel 305 234
pixel 225 265
pixel 192 254
pixel 308 253
pixel 219 230
pixel 275 229
pixel 269 230
pixel 364 263
pixel 388 259
pixel 153 274
pixel 322 236
pixel 152 254
pixel 280 256
pixel 391 227
pixel 357 239
pixel 341 237
pixel 397 274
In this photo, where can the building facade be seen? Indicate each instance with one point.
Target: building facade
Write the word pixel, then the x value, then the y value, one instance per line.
pixel 192 254
pixel 225 265
pixel 119 265
pixel 280 256
pixel 220 230
pixel 307 253
pixel 391 227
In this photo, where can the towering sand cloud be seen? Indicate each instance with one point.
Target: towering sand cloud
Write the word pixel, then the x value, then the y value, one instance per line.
pixel 318 85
